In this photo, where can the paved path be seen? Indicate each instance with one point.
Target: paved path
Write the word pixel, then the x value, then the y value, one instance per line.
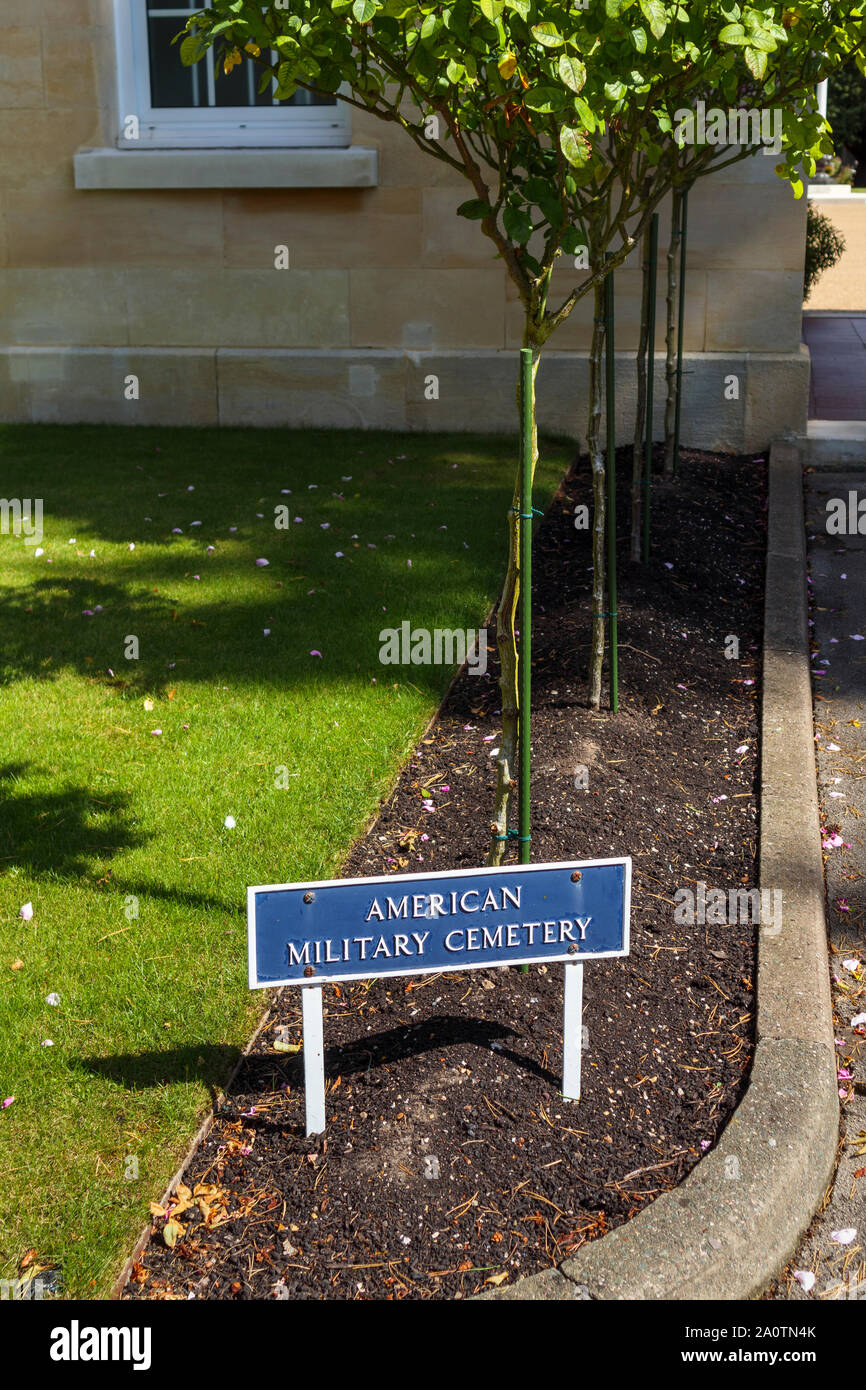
pixel 843 286
pixel 838 570
pixel 837 345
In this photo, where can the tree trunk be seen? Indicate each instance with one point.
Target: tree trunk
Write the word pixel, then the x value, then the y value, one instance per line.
pixel 671 343
pixel 640 415
pixel 596 458
pixel 506 642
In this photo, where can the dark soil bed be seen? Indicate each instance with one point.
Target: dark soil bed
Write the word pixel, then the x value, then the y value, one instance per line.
pixel 451 1162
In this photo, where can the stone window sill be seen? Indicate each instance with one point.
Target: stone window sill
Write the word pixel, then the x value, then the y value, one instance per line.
pixel 351 167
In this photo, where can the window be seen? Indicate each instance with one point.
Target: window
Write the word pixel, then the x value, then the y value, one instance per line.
pixel 175 106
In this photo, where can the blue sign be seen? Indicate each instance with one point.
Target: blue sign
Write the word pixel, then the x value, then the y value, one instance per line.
pixel 417 924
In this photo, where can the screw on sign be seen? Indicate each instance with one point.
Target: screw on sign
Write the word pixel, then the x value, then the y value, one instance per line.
pixel 420 924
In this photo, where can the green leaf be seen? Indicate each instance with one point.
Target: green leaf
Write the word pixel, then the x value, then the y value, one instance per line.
pixel 192 49
pixel 517 223
pixel 654 13
pixel 431 25
pixel 733 33
pixel 363 10
pixel 547 34
pixel 329 77
pixel 638 38
pixel 760 38
pixel 572 239
pixel 221 28
pixel 286 84
pixel 475 209
pixel 491 9
pixel 572 71
pixel 552 210
pixel 536 188
pixel 585 113
pixel 573 146
pixel 454 71
pixel 545 99
pixel 756 62
pixel 614 91
pixel 521 7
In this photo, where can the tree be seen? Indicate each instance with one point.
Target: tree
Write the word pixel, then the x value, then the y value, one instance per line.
pixel 554 114
pixel 824 247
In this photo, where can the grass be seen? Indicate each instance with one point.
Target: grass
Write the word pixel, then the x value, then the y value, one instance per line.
pixel 116 833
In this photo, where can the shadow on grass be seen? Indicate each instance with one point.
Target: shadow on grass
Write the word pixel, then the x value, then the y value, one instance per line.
pixel 209 1063
pixel 62 831
pixel 85 625
pixel 444 498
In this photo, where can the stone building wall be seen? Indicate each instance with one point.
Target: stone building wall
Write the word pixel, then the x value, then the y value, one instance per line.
pixel 160 264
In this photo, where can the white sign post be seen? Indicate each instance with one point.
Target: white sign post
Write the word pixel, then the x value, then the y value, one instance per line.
pixel 572 1029
pixel 314 1058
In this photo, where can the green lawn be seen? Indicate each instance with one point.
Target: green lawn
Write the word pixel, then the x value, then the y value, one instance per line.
pixel 101 817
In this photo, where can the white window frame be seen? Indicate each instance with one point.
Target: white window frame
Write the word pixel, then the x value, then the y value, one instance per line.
pixel 223 127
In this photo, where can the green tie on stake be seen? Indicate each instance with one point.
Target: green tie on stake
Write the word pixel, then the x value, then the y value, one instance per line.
pixel 610 403
pixel 684 213
pixel 650 381
pixel 524 712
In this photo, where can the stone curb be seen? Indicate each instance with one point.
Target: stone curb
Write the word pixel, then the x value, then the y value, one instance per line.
pixel 834 444
pixel 727 1230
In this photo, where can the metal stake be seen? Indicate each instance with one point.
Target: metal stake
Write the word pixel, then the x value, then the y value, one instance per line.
pixel 684 205
pixel 650 381
pixel 525 703
pixel 524 712
pixel 610 403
